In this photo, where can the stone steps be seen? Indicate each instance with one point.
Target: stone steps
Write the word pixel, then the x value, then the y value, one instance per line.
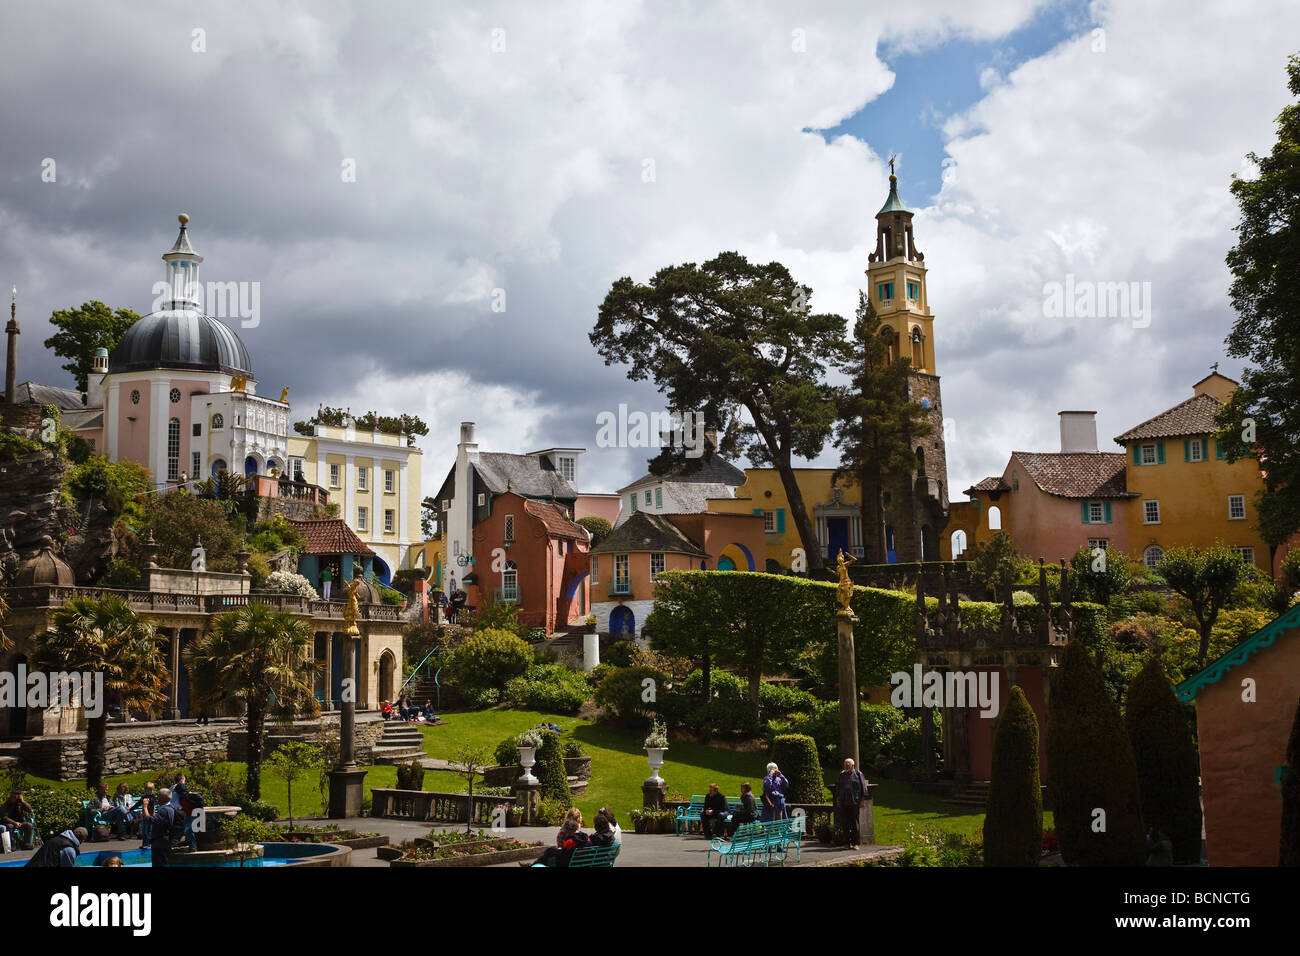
pixel 400 743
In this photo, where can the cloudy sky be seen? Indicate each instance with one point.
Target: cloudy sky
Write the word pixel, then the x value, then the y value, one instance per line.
pixel 505 146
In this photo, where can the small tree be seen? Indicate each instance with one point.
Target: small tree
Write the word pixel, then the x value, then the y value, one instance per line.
pixel 291 760
pixel 550 769
pixel 1102 575
pixel 1166 760
pixel 1290 843
pixel 1013 822
pixel 997 563
pixel 471 760
pixel 1206 579
pixel 243 832
pixel 1094 782
pixel 599 527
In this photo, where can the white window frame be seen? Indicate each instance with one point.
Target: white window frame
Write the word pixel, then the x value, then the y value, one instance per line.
pixel 622 574
pixel 361 478
pixel 1146 511
pixel 363 518
pixel 1142 455
pixel 567 468
pixel 1247 553
pixel 1096 513
pixel 769 522
pixel 196 464
pixel 658 563
pixel 1147 558
pixel 1196 450
pixel 482 499
pixel 336 474
pixel 390 520
pixel 297 465
pixel 1098 544
pixel 508 529
pixel 173 449
pixel 1240 500
pixel 595 569
pixel 390 481
pixel 510 583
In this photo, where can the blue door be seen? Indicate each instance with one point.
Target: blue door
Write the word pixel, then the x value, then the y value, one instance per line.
pixel 890 554
pixel 622 621
pixel 837 535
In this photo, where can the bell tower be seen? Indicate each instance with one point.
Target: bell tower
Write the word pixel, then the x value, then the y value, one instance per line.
pixel 896 282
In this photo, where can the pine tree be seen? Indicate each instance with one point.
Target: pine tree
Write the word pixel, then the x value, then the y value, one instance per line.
pixel 1092 775
pixel 1264 265
pixel 1166 760
pixel 1013 821
pixel 876 421
pixel 1290 849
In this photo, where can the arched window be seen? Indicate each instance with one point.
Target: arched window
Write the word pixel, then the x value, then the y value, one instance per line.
pixel 920 460
pixel 218 421
pixel 218 466
pixel 173 449
pixel 510 583
pixel 918 349
pixel 958 543
pixel 1153 555
pixel 995 518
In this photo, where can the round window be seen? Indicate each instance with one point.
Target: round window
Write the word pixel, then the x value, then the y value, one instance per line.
pixel 135 396
pixel 176 396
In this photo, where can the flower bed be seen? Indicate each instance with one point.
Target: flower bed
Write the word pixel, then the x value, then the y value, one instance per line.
pixel 352 838
pixel 479 853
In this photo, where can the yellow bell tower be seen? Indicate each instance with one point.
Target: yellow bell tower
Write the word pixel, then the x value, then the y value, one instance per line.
pixel 896 284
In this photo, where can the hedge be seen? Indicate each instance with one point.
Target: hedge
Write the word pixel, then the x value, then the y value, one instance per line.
pixel 620 693
pixel 1013 821
pixel 56 810
pixel 552 688
pixel 796 755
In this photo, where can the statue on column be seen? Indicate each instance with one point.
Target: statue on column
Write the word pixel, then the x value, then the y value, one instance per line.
pixel 844 593
pixel 351 610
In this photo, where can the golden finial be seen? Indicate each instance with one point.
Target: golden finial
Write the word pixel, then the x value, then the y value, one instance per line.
pixel 183 218
pixel 284 394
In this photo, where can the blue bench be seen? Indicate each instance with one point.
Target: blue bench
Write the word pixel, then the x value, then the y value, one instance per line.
pixel 690 813
pixel 595 855
pixel 758 842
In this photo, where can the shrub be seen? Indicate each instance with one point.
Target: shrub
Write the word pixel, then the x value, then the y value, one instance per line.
pixel 410 776
pixel 552 688
pixel 56 810
pixel 488 659
pixel 1093 767
pixel 782 699
pixel 621 654
pixel 620 692
pixel 550 813
pixel 499 616
pixel 259 569
pixel 112 482
pixel 796 755
pixel 480 698
pixel 550 769
pixel 726 710
pixel 1166 761
pixel 259 809
pixel 506 754
pixel 1013 822
pixel 574 748
pixel 886 735
pixel 121 574
pixel 289 582
pixel 599 527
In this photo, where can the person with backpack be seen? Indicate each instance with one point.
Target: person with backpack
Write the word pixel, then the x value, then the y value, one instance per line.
pixel 166 821
pixel 185 802
pixel 60 850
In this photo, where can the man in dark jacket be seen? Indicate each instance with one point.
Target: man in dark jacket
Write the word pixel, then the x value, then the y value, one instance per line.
pixel 850 791
pixel 165 818
pixel 60 850
pixel 748 811
pixel 713 818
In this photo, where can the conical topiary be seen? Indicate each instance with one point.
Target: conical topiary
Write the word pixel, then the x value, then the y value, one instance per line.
pixel 1013 821
pixel 550 769
pixel 1091 774
pixel 1290 848
pixel 1166 760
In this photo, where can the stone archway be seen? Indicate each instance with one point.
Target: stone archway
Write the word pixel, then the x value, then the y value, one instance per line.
pixel 387 668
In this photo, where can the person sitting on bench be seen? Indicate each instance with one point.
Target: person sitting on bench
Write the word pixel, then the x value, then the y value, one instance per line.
pixel 713 818
pixel 748 811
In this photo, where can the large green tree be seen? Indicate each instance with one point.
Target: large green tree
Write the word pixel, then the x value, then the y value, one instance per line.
pixel 81 331
pixel 105 637
pixel 178 519
pixel 1206 579
pixel 262 656
pixel 1013 823
pixel 1263 418
pixel 1166 760
pixel 732 335
pixel 877 421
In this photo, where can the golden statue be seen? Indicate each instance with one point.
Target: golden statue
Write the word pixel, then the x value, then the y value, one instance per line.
pixel 238 383
pixel 351 610
pixel 284 394
pixel 844 593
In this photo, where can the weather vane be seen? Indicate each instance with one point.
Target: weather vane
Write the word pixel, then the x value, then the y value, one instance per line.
pixel 892 157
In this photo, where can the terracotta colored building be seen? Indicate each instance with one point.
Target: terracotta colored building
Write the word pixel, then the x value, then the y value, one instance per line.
pixel 1245 705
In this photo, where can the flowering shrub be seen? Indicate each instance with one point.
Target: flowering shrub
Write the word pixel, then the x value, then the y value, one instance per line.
pixel 287 582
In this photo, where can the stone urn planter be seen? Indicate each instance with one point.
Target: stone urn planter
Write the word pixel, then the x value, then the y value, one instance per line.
pixel 527 760
pixel 212 835
pixel 655 756
pixel 579 767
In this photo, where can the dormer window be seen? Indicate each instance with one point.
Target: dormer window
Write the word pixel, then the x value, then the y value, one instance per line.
pixel 566 469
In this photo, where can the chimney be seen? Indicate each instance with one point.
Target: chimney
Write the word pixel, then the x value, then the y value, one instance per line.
pixel 11 357
pixel 95 381
pixel 1078 431
pixel 467 433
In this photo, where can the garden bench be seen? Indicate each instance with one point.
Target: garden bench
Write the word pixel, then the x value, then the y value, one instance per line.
pixel 755 841
pixel 595 855
pixel 691 813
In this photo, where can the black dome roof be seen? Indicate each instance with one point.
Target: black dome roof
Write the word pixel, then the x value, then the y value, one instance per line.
pixel 180 339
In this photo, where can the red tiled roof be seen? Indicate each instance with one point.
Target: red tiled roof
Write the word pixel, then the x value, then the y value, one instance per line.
pixel 554 519
pixel 1076 474
pixel 330 536
pixel 1192 417
pixel 995 483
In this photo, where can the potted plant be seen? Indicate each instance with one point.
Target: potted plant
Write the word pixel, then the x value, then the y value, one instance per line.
pixel 527 743
pixel 591 623
pixel 656 743
pixel 641 819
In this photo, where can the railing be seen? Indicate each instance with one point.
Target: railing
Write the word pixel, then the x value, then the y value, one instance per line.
pixel 431 807
pixel 415 673
pixel 54 596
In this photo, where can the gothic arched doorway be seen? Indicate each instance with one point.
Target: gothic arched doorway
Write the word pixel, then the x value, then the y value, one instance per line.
pixel 387 666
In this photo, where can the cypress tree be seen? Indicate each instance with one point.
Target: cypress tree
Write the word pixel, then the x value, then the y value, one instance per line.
pixel 1290 849
pixel 550 769
pixel 1013 820
pixel 1091 768
pixel 1166 760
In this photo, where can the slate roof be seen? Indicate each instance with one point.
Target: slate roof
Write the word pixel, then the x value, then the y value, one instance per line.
pixel 33 393
pixel 524 474
pixel 554 519
pixel 1192 417
pixel 994 483
pixel 330 536
pixel 1076 474
pixel 707 469
pixel 646 532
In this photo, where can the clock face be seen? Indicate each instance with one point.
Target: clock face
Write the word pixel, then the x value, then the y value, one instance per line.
pixel 135 396
pixel 176 396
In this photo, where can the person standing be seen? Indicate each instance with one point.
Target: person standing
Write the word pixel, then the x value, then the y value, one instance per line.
pixel 714 815
pixel 775 787
pixel 164 821
pixel 850 791
pixel 147 805
pixel 326 582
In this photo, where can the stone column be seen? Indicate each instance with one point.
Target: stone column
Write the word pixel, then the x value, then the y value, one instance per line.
pixel 346 778
pixel 927 740
pixel 174 679
pixel 653 793
pixel 329 671
pixel 848 674
pixel 528 797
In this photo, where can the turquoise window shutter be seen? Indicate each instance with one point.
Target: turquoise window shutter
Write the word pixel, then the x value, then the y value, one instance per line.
pixel 780 521
pixel 759 512
pixel 1137 454
pixel 1160 453
pixel 1187 450
pixel 1106 505
pixel 1085 513
pixel 1218 449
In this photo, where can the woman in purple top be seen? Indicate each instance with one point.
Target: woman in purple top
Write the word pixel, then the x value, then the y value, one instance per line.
pixel 775 787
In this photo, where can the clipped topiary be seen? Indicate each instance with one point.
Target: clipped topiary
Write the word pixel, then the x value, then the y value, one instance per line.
pixel 1290 843
pixel 1166 760
pixel 796 755
pixel 1013 820
pixel 1092 779
pixel 410 776
pixel 550 769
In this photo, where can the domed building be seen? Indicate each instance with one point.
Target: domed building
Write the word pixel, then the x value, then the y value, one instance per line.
pixel 178 392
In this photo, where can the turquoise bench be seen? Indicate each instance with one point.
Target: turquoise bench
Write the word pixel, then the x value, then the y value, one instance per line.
pixel 690 813
pixel 595 855
pixel 758 842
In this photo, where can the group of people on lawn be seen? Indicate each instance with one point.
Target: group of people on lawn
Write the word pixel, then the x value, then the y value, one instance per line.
pixel 717 816
pixel 408 709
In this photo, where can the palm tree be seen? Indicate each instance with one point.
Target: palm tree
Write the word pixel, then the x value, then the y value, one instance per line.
pixel 262 656
pixel 108 637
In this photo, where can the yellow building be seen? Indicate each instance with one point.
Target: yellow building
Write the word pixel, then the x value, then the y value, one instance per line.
pixel 834 510
pixel 374 478
pixel 1186 493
